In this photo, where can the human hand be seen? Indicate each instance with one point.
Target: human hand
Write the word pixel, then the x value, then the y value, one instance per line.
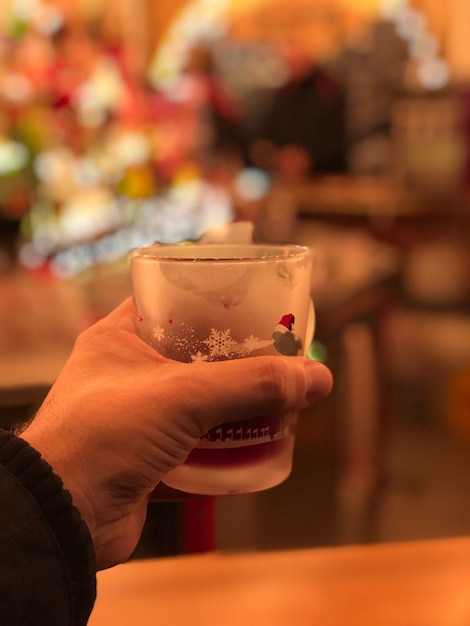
pixel 120 416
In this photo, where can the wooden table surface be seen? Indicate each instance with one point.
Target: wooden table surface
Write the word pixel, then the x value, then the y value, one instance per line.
pixel 407 584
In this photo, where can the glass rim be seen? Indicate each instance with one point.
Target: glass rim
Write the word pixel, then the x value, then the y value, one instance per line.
pixel 266 252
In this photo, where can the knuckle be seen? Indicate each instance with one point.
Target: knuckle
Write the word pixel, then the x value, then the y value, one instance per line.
pixel 82 339
pixel 274 382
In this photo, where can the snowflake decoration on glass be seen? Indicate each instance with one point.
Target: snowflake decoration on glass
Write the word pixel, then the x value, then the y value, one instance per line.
pixel 183 342
pixel 220 343
pixel 251 343
pixel 199 357
pixel 159 333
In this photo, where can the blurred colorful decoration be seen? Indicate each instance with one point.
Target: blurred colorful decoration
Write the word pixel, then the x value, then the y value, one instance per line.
pixel 93 159
pixel 106 143
pixel 345 60
pixel 317 29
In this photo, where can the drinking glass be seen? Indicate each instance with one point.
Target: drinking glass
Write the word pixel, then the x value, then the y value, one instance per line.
pixel 199 303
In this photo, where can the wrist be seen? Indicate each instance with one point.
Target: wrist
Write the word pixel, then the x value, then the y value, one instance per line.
pixel 59 464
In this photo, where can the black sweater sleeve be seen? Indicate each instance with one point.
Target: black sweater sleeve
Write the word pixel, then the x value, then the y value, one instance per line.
pixel 47 562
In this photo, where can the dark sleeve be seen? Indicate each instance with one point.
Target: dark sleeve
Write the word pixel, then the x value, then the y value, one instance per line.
pixel 47 562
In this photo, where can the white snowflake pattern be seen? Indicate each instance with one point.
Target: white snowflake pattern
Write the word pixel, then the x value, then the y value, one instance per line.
pixel 159 333
pixel 220 343
pixel 199 357
pixel 251 343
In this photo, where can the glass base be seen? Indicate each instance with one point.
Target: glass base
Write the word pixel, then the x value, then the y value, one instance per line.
pixel 218 472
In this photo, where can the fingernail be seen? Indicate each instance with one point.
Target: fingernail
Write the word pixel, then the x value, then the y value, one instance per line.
pixel 319 380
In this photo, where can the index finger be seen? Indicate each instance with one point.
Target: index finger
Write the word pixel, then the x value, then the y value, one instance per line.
pixel 123 317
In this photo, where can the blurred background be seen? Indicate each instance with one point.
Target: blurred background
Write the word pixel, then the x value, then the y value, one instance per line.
pixel 340 124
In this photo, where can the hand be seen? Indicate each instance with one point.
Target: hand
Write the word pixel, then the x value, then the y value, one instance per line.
pixel 120 416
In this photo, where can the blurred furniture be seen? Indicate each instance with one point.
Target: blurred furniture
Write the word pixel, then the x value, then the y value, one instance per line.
pixel 39 320
pixel 380 243
pixel 414 583
pixel 19 403
pixel 377 200
pixel 354 283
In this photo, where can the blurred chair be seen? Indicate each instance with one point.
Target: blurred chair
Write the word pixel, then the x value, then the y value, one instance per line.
pixel 359 439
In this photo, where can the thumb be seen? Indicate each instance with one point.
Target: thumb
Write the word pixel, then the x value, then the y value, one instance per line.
pixel 244 388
